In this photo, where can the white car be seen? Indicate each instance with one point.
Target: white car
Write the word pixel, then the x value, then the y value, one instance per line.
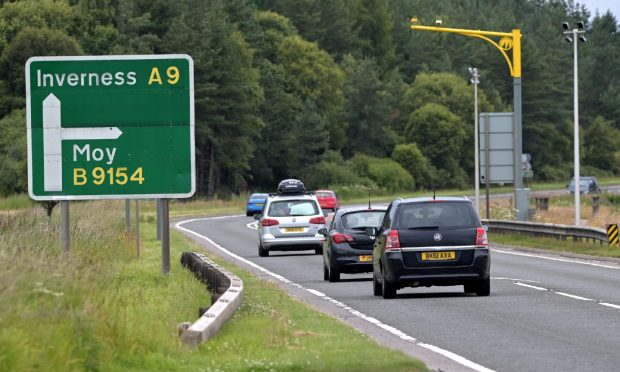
pixel 290 222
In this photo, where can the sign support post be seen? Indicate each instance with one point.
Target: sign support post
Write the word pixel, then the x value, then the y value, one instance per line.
pixel 487 165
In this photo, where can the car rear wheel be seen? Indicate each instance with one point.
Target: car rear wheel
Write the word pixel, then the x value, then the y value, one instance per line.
pixel 376 286
pixel 388 290
pixel 325 272
pixel 334 274
pixel 483 287
pixel 262 251
pixel 318 250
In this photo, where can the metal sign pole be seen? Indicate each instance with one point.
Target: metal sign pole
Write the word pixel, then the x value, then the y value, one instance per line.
pixel 487 167
pixel 165 236
pixel 127 215
pixel 64 227
pixel 137 229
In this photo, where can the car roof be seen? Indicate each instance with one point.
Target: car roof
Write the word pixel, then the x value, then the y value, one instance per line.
pixel 330 191
pixel 291 197
pixel 431 199
pixel 378 208
pixel 259 194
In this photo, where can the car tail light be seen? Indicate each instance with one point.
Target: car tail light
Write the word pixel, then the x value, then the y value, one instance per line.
pixel 392 243
pixel 318 220
pixel 269 222
pixel 481 237
pixel 341 238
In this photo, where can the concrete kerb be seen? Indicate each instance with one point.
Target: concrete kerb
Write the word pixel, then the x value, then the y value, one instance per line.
pixel 226 297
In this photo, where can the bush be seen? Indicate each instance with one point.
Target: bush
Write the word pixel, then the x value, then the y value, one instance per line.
pixel 386 173
pixel 354 191
pixel 551 173
pixel 588 170
pixel 411 158
pixel 325 173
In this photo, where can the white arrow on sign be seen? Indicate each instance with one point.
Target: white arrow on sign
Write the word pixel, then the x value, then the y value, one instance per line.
pixel 54 134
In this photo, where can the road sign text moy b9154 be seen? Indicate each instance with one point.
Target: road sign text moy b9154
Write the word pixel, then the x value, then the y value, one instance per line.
pixel 110 127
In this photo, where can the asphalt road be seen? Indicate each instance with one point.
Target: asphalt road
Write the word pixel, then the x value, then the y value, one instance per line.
pixel 545 313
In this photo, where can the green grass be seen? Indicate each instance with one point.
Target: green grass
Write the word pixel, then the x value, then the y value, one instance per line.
pixel 587 248
pixel 19 201
pixel 101 308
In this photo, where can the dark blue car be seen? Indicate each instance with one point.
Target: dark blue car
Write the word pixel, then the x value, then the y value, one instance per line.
pixel 255 204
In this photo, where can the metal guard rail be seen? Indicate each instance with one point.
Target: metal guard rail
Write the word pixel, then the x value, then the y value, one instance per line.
pixel 547 230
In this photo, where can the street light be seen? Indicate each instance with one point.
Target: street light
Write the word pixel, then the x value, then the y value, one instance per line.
pixel 577 34
pixel 475 80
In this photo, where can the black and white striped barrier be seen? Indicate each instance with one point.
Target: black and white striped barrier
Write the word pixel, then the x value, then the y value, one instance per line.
pixel 226 297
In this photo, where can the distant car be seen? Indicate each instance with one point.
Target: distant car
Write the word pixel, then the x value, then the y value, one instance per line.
pixel 347 248
pixel 327 199
pixel 255 204
pixel 290 221
pixel 431 241
pixel 587 185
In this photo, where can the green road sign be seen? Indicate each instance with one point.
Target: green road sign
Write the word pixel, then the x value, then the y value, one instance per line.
pixel 110 127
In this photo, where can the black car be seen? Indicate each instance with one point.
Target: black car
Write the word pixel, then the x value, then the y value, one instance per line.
pixel 347 248
pixel 431 241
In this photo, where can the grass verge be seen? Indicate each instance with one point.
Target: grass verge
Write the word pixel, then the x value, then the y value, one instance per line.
pixel 101 308
pixel 593 249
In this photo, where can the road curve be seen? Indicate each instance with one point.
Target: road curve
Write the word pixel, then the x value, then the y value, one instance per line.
pixel 545 313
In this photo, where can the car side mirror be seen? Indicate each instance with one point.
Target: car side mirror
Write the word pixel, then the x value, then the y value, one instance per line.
pixel 322 231
pixel 371 231
pixel 325 213
pixel 257 216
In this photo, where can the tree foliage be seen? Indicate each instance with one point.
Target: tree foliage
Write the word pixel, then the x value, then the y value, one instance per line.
pixel 337 92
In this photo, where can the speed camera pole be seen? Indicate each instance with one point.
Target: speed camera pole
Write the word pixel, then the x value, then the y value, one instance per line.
pixel 508 41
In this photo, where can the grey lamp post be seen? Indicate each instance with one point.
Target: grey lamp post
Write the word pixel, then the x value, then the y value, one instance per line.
pixel 577 34
pixel 475 80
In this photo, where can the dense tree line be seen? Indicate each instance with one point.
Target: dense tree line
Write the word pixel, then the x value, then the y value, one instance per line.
pixel 338 93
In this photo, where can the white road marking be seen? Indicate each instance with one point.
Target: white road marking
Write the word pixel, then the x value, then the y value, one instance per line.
pixel 568 295
pixel 574 296
pixel 252 225
pixel 609 305
pixel 556 259
pixel 531 286
pixel 515 279
pixel 448 354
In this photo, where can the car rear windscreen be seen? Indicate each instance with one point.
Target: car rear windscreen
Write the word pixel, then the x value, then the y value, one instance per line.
pixel 436 215
pixel 324 194
pixel 362 219
pixel 290 208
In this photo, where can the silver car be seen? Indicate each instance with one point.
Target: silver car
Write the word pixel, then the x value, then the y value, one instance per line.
pixel 290 223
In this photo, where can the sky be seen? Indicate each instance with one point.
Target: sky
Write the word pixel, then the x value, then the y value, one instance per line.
pixel 602 6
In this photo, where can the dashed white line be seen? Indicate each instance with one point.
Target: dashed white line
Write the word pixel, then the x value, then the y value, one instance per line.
pixel 609 305
pixel 567 295
pixel 557 259
pixel 574 296
pixel 448 354
pixel 531 286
